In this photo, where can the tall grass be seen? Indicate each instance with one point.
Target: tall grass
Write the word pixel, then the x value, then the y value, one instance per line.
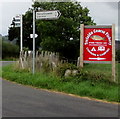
pixel 105 69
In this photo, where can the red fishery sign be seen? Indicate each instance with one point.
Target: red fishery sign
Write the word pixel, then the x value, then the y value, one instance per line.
pixel 97 44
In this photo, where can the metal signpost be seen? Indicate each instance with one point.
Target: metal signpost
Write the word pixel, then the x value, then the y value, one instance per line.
pixel 42 15
pixel 33 41
pixel 97 45
pixel 18 22
pixel 21 34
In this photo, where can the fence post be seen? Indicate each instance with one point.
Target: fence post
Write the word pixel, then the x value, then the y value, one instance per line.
pixel 21 59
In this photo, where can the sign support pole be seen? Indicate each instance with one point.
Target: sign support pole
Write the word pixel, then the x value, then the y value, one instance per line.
pixel 21 33
pixel 81 44
pixel 113 52
pixel 33 40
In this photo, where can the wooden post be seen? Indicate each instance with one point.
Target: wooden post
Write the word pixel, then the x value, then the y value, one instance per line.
pixel 81 44
pixel 113 52
pixel 21 59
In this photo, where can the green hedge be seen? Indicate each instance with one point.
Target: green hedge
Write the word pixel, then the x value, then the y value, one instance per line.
pixel 9 50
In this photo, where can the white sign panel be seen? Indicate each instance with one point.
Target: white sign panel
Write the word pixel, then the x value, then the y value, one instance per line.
pixel 17 20
pixel 31 35
pixel 17 24
pixel 17 17
pixel 48 14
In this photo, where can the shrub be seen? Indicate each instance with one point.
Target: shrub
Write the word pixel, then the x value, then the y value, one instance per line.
pixel 46 66
pixel 9 50
pixel 82 75
pixel 60 70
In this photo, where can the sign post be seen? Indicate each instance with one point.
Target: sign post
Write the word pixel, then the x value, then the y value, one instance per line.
pixel 98 45
pixel 42 15
pixel 33 40
pixel 18 22
pixel 113 52
pixel 81 44
pixel 21 33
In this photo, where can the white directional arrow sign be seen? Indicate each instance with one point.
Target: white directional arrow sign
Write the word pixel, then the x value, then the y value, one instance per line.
pixel 48 14
pixel 98 58
pixel 31 35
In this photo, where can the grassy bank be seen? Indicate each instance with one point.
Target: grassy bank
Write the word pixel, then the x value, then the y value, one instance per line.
pixel 90 88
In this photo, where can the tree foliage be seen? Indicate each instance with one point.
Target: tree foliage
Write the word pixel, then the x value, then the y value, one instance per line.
pixel 118 55
pixel 55 35
pixel 14 33
pixel 9 50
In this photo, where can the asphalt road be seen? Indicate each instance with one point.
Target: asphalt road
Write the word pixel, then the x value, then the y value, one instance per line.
pixel 24 101
pixel 4 63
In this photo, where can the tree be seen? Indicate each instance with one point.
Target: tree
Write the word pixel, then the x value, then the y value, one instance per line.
pixel 14 33
pixel 56 35
pixel 9 50
pixel 118 55
pixel 27 29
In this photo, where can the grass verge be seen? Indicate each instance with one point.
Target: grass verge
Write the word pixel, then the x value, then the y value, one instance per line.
pixel 95 89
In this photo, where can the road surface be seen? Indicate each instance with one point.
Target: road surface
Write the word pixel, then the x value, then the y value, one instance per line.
pixel 25 101
pixel 4 63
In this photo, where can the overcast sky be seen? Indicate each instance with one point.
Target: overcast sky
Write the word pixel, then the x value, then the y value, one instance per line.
pixel 103 12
